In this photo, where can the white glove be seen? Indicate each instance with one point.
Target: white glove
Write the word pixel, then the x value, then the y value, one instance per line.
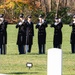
pixel 55 23
pixel 73 21
pixel 59 20
pixel 40 24
pixel 20 23
pixel 42 20
pixel 1 20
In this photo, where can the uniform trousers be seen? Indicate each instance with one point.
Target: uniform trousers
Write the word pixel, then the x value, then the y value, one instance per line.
pixel 28 48
pixel 4 45
pixel 57 46
pixel 4 49
pixel 21 49
pixel 0 48
pixel 73 48
pixel 41 48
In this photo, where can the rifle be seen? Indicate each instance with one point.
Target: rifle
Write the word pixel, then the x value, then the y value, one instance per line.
pixel 56 15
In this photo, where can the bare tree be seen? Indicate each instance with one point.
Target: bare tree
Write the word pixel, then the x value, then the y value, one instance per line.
pixel 49 5
pixel 65 2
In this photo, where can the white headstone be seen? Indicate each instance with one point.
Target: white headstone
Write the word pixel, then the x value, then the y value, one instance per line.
pixel 54 62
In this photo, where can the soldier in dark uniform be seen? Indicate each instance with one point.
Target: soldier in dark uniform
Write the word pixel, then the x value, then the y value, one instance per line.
pixel 29 34
pixel 72 39
pixel 3 34
pixel 21 34
pixel 41 26
pixel 57 41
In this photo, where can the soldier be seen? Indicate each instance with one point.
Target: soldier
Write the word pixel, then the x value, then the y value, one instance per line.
pixel 29 34
pixel 3 34
pixel 72 39
pixel 41 26
pixel 57 41
pixel 21 34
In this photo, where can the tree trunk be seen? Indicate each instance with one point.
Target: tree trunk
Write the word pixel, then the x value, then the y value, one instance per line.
pixel 65 1
pixel 49 5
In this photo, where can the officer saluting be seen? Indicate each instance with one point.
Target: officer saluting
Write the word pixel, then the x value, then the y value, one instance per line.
pixel 72 39
pixel 3 34
pixel 57 41
pixel 29 34
pixel 21 34
pixel 41 26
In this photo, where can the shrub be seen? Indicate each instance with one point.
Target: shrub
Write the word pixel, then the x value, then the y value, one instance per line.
pixel 62 13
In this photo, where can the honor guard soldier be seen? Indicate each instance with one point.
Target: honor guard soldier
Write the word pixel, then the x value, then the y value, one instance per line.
pixel 3 34
pixel 57 40
pixel 29 34
pixel 41 26
pixel 21 34
pixel 72 39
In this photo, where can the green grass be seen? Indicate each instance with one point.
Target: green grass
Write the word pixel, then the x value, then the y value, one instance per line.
pixel 15 64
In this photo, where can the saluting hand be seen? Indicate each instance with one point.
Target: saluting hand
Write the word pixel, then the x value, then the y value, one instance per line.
pixel 74 21
pixel 55 23
pixel 20 23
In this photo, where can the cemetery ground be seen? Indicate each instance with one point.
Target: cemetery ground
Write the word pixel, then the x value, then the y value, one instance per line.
pixel 14 64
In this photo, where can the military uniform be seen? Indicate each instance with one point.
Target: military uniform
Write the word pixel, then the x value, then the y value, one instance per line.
pixel 21 35
pixel 41 36
pixel 57 40
pixel 72 38
pixel 4 26
pixel 29 35
pixel 3 36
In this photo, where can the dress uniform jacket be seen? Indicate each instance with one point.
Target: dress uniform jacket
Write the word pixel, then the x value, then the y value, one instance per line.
pixel 1 35
pixel 57 33
pixel 21 34
pixel 72 39
pixel 3 32
pixel 42 32
pixel 29 33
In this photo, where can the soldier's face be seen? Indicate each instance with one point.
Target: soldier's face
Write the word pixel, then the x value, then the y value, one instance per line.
pixel 40 19
pixel 20 18
pixel 57 20
pixel 29 19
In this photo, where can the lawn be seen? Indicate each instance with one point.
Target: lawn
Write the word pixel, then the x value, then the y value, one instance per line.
pixel 14 64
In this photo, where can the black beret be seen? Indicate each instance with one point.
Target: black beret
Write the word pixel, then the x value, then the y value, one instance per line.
pixel 29 17
pixel 40 16
pixel 1 15
pixel 21 15
pixel 56 18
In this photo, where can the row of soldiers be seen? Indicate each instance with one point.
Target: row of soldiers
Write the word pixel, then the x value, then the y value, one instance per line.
pixel 26 33
pixel 57 40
